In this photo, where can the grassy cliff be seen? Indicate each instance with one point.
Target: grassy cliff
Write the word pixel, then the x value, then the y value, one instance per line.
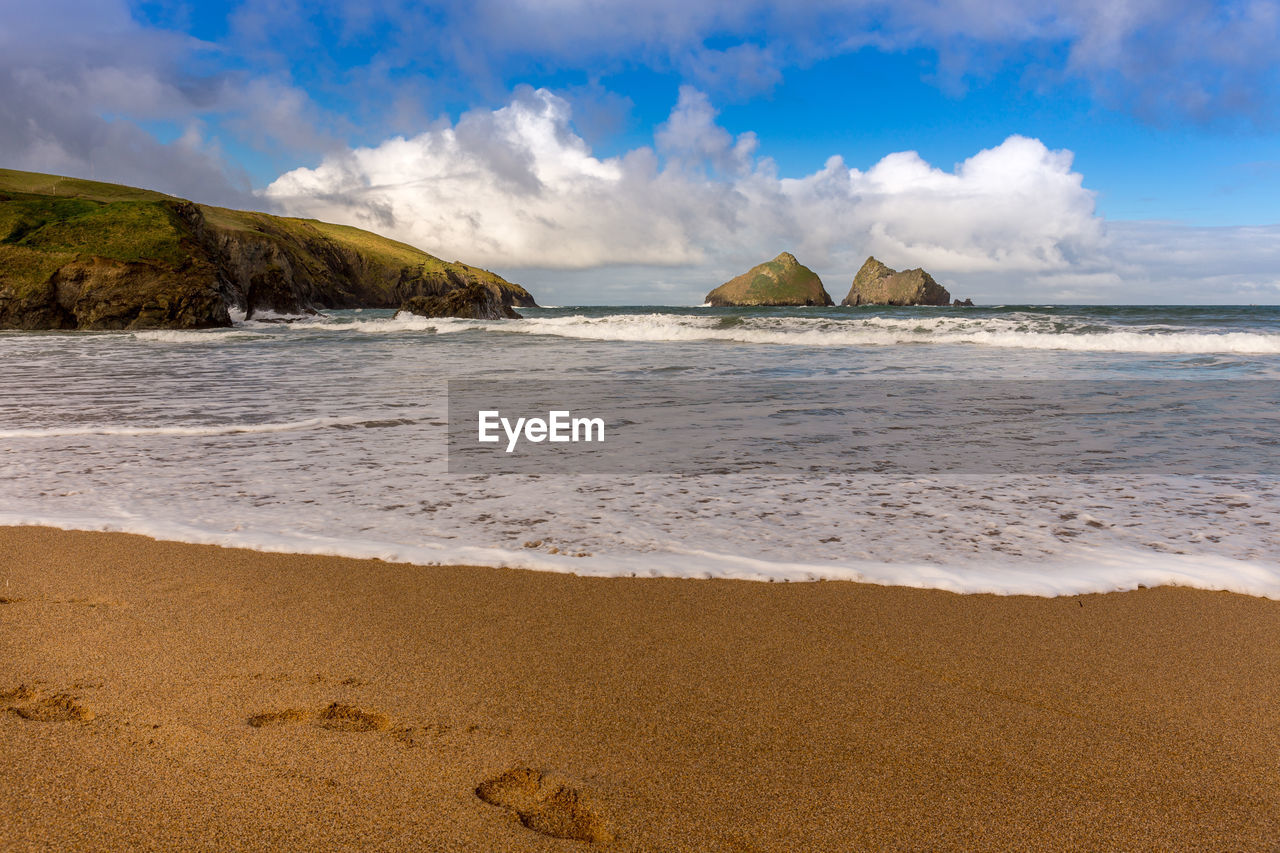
pixel 78 254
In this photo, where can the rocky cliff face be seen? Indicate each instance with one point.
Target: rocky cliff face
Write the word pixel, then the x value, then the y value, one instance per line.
pixel 103 293
pixel 781 281
pixel 80 255
pixel 877 284
pixel 296 266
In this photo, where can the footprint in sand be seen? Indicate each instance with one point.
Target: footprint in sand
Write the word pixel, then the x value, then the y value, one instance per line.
pixel 32 703
pixel 349 718
pixel 337 716
pixel 547 804
pixel 276 718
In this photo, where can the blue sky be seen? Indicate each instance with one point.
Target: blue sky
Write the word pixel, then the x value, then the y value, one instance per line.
pixel 644 151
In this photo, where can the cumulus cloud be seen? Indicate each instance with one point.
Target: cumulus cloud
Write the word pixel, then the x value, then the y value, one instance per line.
pixel 518 188
pixel 1017 207
pixel 510 185
pixel 691 137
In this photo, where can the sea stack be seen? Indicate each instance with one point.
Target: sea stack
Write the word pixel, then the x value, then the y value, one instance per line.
pixel 876 284
pixel 472 301
pixel 781 281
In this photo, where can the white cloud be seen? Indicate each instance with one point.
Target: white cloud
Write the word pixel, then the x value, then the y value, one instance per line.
pixel 518 188
pixel 1017 207
pixel 691 136
pixel 511 186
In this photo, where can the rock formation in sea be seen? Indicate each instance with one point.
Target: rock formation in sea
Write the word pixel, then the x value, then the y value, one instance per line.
pixel 78 254
pixel 781 281
pixel 877 284
pixel 473 301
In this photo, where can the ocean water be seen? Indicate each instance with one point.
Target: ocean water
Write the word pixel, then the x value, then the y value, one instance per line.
pixel 328 435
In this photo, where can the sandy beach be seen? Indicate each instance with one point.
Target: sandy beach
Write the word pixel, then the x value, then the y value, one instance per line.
pixel 169 696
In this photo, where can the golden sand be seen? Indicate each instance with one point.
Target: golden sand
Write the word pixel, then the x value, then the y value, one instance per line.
pixel 167 696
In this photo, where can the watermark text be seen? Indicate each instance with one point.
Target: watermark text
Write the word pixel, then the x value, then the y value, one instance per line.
pixel 559 426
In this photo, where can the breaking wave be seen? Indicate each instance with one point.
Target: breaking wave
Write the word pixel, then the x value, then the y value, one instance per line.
pixel 1024 333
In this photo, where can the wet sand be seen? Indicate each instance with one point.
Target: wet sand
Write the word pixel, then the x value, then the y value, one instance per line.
pixel 168 696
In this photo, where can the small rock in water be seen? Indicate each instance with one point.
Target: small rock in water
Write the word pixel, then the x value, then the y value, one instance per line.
pixel 473 301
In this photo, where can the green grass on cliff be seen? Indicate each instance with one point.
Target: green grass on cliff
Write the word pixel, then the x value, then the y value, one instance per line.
pixel 376 249
pixel 73 198
pixel 387 251
pixel 123 230
pixel 41 233
pixel 25 270
pixel 47 220
pixel 36 183
pixel 383 250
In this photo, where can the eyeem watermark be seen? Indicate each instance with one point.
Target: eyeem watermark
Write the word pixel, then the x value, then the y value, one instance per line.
pixel 559 426
pixel 907 427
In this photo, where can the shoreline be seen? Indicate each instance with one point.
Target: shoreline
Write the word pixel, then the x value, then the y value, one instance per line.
pixel 681 714
pixel 1205 572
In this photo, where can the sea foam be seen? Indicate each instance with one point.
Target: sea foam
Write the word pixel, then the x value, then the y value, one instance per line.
pixel 327 435
pixel 1093 571
pixel 862 332
pixel 1005 332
